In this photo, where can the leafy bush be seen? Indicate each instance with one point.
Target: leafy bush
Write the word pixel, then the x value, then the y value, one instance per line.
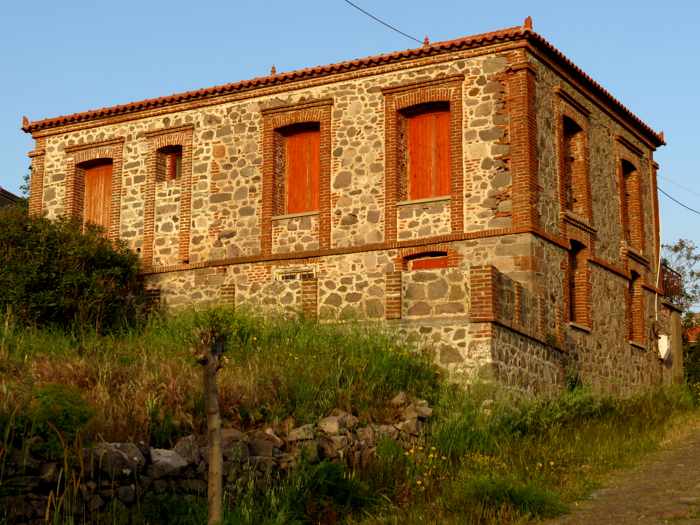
pixel 54 273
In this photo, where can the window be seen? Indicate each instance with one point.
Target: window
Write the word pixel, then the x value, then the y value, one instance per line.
pixel 574 181
pixel 578 284
pixel 631 205
pixel 97 207
pixel 635 309
pixel 424 156
pixel 169 163
pixel 297 168
pixel 429 261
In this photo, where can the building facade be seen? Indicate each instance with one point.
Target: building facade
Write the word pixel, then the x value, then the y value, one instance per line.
pixel 483 194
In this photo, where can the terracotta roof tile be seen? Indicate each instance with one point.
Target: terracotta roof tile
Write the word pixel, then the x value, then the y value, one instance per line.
pixel 503 35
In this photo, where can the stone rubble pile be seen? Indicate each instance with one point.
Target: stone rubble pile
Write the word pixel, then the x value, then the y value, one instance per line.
pixel 128 471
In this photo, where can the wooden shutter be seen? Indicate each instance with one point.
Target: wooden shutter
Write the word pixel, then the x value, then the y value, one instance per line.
pixel 98 194
pixel 303 166
pixel 428 263
pixel 428 137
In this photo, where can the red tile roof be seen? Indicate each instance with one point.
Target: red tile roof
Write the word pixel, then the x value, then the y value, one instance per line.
pixel 494 37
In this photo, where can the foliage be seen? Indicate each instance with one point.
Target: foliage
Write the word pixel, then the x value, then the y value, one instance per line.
pixel 144 384
pixel 487 455
pixel 55 414
pixel 683 256
pixel 54 273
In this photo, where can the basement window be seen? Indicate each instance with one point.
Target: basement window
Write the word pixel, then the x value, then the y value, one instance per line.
pixel 428 261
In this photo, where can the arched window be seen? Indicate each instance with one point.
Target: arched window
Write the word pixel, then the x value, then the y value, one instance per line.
pixel 630 200
pixel 578 284
pixel 97 205
pixel 168 163
pixel 297 168
pixel 574 167
pixel 424 151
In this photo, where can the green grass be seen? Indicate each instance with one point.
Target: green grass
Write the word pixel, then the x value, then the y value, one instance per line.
pixel 487 456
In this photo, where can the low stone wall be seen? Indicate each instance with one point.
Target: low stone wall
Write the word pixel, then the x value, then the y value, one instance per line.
pixel 111 476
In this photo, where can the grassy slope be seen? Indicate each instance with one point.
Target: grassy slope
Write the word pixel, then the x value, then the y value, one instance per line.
pixel 487 457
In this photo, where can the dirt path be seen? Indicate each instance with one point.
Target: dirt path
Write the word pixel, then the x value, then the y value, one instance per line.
pixel 665 488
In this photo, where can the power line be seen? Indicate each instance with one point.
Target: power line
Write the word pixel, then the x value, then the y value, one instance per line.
pixel 381 21
pixel 678 202
pixel 676 183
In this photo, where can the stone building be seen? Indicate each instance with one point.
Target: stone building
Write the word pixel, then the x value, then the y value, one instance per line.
pixel 483 194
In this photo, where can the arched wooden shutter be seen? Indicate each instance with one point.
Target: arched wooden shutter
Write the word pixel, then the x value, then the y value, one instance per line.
pixel 98 193
pixel 303 167
pixel 428 140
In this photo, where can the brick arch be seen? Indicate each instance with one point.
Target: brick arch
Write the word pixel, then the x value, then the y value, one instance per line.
pixel 406 255
pixel 424 96
pixel 75 182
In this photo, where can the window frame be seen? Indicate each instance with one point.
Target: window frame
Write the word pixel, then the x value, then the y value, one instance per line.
pixel 397 98
pixel 280 116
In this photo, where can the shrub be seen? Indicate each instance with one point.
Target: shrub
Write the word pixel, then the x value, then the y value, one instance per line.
pixel 495 492
pixel 58 413
pixel 59 273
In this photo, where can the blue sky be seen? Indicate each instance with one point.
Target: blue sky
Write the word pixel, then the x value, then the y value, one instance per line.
pixel 63 57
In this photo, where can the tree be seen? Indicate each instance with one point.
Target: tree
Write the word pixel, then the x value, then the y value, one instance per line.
pixel 683 257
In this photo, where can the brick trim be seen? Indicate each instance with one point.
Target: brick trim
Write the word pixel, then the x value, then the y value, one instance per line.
pixel 392 295
pixel 180 136
pixel 227 293
pixel 397 98
pixel 281 116
pixel 520 104
pixel 482 294
pixel 309 296
pixel 36 184
pixel 75 181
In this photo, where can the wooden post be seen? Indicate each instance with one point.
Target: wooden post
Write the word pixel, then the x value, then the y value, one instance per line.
pixel 210 351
